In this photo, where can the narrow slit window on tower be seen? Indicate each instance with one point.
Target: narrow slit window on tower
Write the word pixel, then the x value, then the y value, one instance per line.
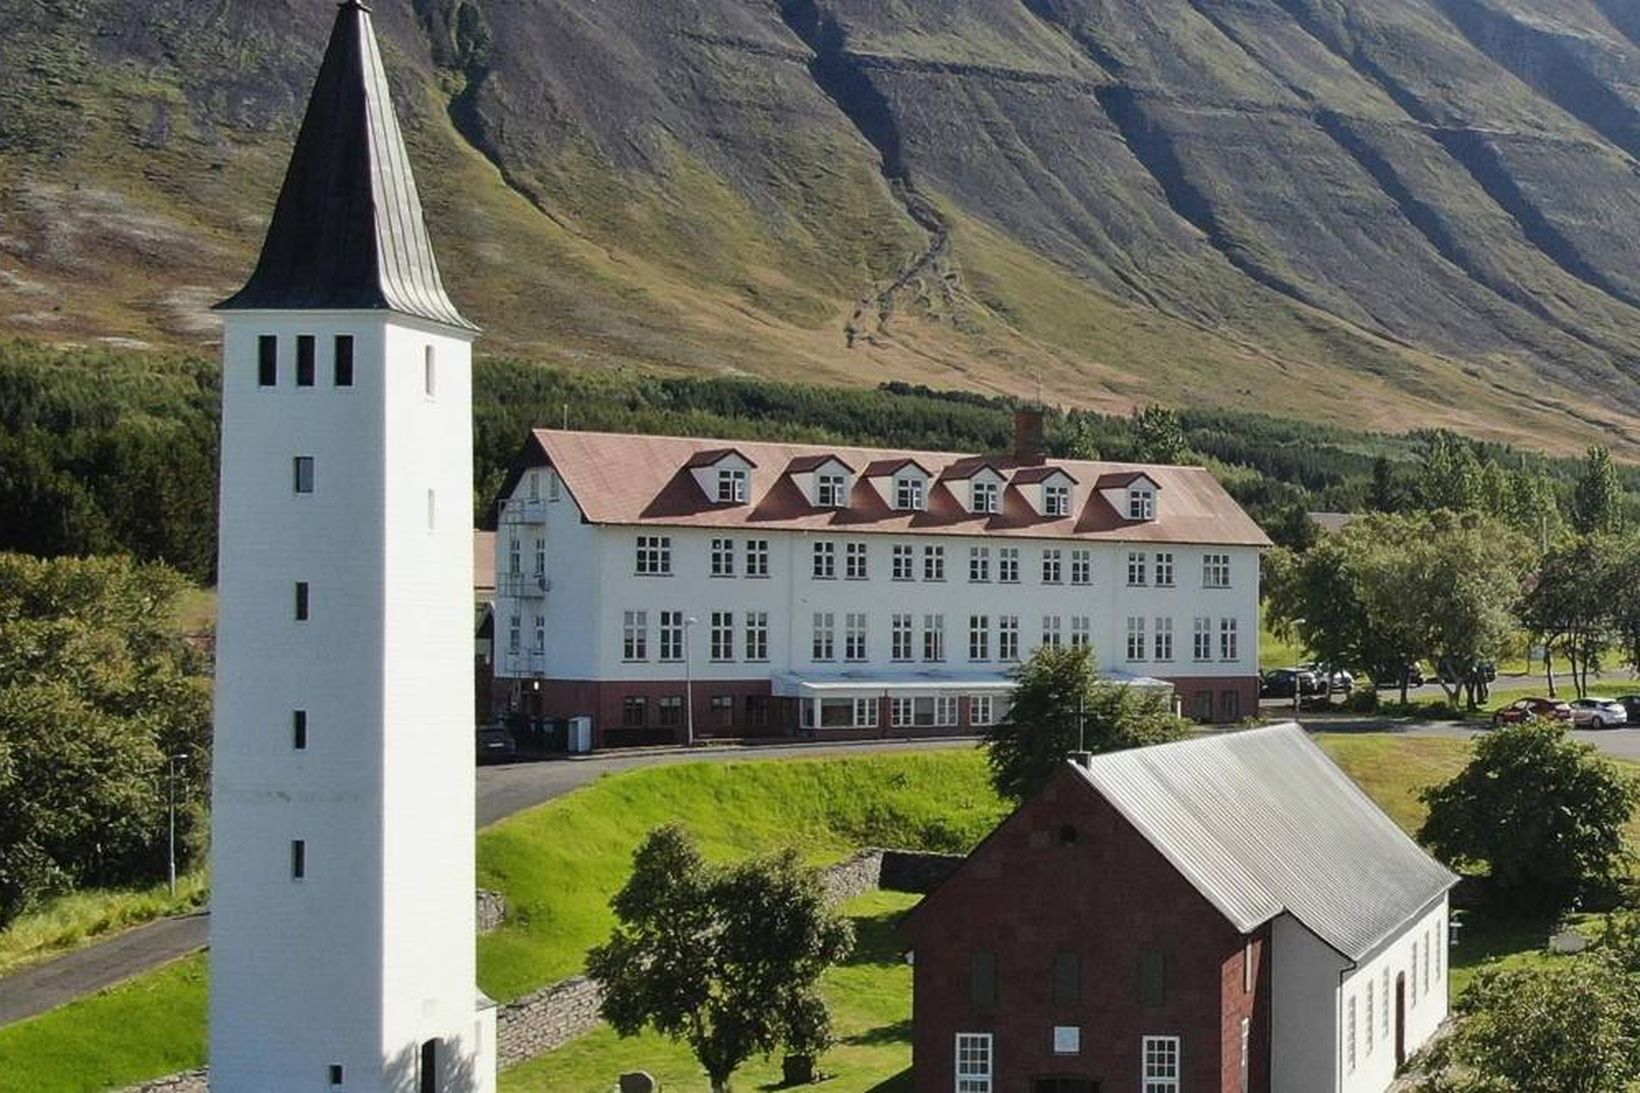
pixel 344 360
pixel 429 372
pixel 304 474
pixel 298 730
pixel 335 1073
pixel 432 510
pixel 305 355
pixel 298 859
pixel 301 601
pixel 267 360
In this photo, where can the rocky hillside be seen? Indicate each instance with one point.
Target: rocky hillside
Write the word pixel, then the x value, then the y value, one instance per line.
pixel 1382 212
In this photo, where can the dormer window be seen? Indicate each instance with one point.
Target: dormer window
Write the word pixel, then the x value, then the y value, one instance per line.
pixel 1141 503
pixel 731 487
pixel 830 491
pixel 986 496
pixel 1056 499
pixel 910 494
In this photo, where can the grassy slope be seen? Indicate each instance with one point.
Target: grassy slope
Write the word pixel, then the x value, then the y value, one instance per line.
pixel 558 863
pixel 69 921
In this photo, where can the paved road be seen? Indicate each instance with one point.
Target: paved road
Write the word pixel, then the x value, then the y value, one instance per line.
pixel 502 791
pixel 1617 743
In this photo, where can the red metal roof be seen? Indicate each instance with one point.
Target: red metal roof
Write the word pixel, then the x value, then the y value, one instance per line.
pixel 620 478
pixel 805 463
pixel 1117 480
pixel 1041 472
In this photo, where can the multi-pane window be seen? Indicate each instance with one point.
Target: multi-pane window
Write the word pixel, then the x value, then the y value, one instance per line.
pixel 731 487
pixel 1081 631
pixel 1008 637
pixel 933 637
pixel 1008 565
pixel 1202 647
pixel 267 360
pixel 825 636
pixel 671 711
pixel 1052 566
pixel 723 711
pixel 1056 500
pixel 635 636
pixel 1369 1014
pixel 515 561
pixel 825 561
pixel 540 556
pixel 554 487
pixel 974 1068
pixel 306 360
pixel 671 635
pixel 343 360
pixel 1215 571
pixel 303 472
pixel 1161 1064
pixel 1227 639
pixel 1141 504
pixel 854 636
pixel 865 713
pixel 757 557
pixel 1081 567
pixel 900 631
pixel 908 494
pixel 1136 567
pixel 905 566
pixel 1051 635
pixel 757 635
pixel 654 555
pixel 979 563
pixel 945 710
pixel 540 645
pixel 829 491
pixel 979 637
pixel 723 557
pixel 1383 1006
pixel 981 711
pixel 985 495
pixel 900 712
pixel 933 563
pixel 1164 639
pixel 855 562
pixel 723 635
pixel 1135 638
pixel 1164 569
pixel 515 634
pixel 1349 1035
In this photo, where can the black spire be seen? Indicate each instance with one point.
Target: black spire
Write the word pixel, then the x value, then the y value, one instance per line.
pixel 347 233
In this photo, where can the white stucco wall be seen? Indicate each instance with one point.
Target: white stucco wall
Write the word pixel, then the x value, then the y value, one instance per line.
pixel 372 952
pixel 594 581
pixel 1303 1010
pixel 1425 1008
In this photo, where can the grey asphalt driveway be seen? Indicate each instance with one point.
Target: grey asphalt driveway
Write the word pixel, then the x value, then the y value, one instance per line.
pixel 502 791
pixel 1617 743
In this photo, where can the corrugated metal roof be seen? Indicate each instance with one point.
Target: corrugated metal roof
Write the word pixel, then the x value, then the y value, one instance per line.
pixel 347 232
pixel 1262 822
pixel 621 478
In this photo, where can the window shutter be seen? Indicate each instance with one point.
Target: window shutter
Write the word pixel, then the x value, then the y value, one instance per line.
pixel 1067 979
pixel 1151 979
pixel 982 978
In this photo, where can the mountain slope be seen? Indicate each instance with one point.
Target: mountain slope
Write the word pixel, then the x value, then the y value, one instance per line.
pixel 1383 212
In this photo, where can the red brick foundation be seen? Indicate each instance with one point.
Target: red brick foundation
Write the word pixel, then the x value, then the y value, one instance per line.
pixel 1216 699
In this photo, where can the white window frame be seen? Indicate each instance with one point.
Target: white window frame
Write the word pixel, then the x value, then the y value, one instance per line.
pixel 1215 571
pixel 1008 637
pixel 984 497
pixel 1053 633
pixel 1053 566
pixel 865 713
pixel 757 636
pixel 855 565
pixel 905 562
pixel 902 642
pixel 1371 1012
pixel 975 1062
pixel 824 566
pixel 1136 569
pixel 979 637
pixel 1056 500
pixel 635 637
pixel 981 711
pixel 1164 569
pixel 933 563
pixel 1081 631
pixel 1141 503
pixel 1349 1035
pixel 1082 567
pixel 672 636
pixel 945 711
pixel 910 494
pixel 1161 1061
pixel 933 643
pixel 830 491
pixel 723 558
pixel 1163 639
pixel 979 565
pixel 722 642
pixel 757 558
pixel 1136 639
pixel 1008 565
pixel 731 487
pixel 824 646
pixel 654 556
pixel 1229 639
pixel 1202 647
pixel 854 637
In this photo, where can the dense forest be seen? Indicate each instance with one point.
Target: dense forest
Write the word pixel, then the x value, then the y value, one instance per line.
pixel 113 451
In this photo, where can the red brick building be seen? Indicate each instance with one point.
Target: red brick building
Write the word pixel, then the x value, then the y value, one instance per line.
pixel 1196 916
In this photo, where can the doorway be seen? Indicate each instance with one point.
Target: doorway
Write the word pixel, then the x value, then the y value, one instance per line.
pixel 1400 1021
pixel 429 1067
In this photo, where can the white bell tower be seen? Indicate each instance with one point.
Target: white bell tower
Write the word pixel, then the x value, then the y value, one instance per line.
pixel 342 925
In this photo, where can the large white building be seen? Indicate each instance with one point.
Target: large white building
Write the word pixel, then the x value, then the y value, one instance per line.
pixel 848 591
pixel 342 926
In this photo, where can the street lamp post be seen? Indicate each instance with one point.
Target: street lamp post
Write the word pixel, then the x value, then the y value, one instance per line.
pixel 688 684
pixel 171 762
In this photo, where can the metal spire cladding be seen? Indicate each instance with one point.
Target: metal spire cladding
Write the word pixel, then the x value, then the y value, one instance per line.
pixel 347 232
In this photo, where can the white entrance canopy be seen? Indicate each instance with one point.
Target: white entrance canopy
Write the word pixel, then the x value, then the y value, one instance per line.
pixel 879 685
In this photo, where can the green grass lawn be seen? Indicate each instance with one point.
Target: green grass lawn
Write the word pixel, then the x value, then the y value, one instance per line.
pixel 558 865
pixel 70 921
pixel 1273 652
pixel 870 998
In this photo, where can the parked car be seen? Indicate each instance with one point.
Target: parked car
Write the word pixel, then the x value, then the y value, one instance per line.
pixel 1524 709
pixel 1279 683
pixel 1415 678
pixel 1339 680
pixel 1631 706
pixel 1597 713
pixel 495 744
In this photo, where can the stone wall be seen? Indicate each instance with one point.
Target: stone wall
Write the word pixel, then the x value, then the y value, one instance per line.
pixel 915 870
pixel 854 877
pixel 492 910
pixel 547 1019
pixel 193 1081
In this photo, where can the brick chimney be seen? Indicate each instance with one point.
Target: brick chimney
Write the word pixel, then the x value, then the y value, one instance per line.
pixel 1029 445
